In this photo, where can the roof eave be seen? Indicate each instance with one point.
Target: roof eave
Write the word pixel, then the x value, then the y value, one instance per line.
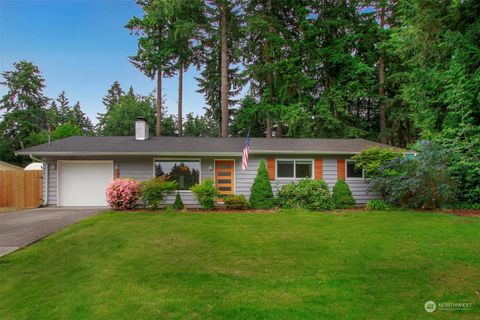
pixel 108 153
pixel 302 152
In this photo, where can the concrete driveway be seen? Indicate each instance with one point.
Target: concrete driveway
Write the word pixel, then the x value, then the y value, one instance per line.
pixel 21 228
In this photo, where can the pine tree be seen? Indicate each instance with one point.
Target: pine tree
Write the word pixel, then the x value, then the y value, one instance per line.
pixel 113 95
pixel 64 110
pixel 24 108
pixel 220 80
pixel 188 20
pixel 53 116
pixel 261 194
pixel 110 100
pixel 80 119
pixel 155 48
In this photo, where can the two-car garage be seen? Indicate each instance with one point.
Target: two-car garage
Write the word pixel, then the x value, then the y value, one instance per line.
pixel 82 183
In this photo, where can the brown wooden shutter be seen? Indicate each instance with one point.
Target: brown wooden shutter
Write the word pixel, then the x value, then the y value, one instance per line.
pixel 341 169
pixel 318 169
pixel 271 168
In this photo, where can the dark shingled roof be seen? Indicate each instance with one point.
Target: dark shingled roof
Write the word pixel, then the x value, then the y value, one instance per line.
pixel 87 145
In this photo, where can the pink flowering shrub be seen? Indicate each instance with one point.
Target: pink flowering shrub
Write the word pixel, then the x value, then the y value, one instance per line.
pixel 123 193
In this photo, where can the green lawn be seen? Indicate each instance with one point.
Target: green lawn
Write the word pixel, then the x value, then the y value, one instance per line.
pixel 289 265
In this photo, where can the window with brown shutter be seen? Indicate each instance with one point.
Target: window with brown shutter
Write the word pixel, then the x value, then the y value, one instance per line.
pixel 341 169
pixel 318 169
pixel 271 168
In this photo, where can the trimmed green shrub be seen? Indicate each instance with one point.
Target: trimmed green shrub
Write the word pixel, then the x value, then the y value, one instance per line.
pixel 342 196
pixel 236 202
pixel 154 191
pixel 205 193
pixel 377 205
pixel 261 194
pixel 178 204
pixel 307 194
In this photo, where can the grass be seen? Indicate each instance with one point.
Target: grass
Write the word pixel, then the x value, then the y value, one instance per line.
pixel 290 265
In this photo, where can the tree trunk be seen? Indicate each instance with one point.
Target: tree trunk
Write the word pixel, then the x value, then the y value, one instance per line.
pixel 279 131
pixel 381 89
pixel 224 71
pixel 159 103
pixel 180 97
pixel 269 126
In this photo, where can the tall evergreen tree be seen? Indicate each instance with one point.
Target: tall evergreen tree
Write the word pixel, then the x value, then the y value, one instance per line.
pixel 113 95
pixel 64 109
pixel 155 49
pixel 24 106
pixel 112 98
pixel 188 21
pixel 80 119
pixel 210 80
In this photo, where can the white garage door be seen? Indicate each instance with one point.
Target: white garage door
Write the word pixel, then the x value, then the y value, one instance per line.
pixel 82 183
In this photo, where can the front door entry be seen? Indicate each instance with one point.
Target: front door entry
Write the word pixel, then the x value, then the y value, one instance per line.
pixel 224 177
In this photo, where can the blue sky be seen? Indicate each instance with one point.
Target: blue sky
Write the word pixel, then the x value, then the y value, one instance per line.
pixel 81 47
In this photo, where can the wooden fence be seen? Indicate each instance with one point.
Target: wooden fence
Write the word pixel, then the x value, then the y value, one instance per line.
pixel 21 189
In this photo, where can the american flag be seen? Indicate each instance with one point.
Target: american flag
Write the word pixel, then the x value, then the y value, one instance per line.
pixel 246 149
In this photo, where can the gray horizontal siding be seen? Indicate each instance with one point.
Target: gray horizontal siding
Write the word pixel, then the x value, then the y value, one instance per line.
pixel 187 196
pixel 244 179
pixel 330 172
pixel 360 191
pixel 135 168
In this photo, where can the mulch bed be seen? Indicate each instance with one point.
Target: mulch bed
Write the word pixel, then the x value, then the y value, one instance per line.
pixel 193 210
pixel 464 212
pixel 458 212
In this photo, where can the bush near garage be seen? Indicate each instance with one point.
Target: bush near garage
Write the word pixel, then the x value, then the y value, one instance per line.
pixel 123 193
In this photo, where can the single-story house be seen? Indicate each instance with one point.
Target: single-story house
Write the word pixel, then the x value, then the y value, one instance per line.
pixel 77 169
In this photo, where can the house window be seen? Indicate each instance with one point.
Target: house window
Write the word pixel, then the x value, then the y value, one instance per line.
pixel 352 172
pixel 185 172
pixel 294 169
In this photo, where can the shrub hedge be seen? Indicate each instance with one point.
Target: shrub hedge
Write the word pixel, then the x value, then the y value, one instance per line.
pixel 236 202
pixel 308 194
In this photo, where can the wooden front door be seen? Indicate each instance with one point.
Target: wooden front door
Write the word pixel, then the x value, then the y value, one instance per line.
pixel 224 177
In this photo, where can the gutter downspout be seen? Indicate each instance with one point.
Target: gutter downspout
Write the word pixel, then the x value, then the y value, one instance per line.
pixel 45 186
